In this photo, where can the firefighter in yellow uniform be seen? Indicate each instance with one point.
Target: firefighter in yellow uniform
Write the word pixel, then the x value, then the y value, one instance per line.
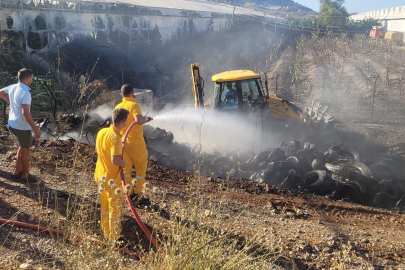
pixel 136 152
pixel 107 174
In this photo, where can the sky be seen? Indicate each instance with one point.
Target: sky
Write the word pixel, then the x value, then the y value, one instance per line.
pixel 357 6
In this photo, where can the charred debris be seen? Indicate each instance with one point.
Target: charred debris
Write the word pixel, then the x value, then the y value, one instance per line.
pixel 341 172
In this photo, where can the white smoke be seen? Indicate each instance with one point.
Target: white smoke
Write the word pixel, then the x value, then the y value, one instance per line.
pixel 101 112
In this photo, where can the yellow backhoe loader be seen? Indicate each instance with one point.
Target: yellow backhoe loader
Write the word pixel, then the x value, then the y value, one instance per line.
pixel 243 91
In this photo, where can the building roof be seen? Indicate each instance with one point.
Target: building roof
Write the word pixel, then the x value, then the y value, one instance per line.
pixel 234 75
pixel 382 14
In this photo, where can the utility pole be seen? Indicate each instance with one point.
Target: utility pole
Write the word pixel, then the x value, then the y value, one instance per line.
pixel 323 87
pixel 160 89
pixel 372 107
pixel 58 65
pixel 277 83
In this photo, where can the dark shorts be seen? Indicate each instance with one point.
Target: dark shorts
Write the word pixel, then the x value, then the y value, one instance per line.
pixel 24 137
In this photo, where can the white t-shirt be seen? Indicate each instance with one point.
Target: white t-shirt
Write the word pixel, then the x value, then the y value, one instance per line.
pixel 19 95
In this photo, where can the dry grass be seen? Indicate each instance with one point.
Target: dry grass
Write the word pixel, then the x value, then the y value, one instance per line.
pixel 193 238
pixel 200 236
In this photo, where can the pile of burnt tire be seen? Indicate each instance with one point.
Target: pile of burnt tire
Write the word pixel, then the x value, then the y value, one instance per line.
pixel 338 173
pixel 73 120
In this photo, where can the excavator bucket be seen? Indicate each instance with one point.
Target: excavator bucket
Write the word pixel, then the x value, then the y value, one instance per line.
pixel 317 112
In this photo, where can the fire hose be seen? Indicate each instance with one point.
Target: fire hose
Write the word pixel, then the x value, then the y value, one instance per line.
pixel 130 204
pixel 129 201
pixel 56 231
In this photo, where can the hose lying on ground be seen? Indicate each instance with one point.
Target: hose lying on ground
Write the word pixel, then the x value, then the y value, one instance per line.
pixel 129 201
pixel 55 231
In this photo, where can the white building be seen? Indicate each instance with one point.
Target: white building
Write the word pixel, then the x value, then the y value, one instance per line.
pixel 392 19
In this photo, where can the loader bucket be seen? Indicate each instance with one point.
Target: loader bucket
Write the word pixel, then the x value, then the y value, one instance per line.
pixel 324 122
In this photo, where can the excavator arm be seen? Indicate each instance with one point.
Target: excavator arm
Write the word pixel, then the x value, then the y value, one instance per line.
pixel 198 86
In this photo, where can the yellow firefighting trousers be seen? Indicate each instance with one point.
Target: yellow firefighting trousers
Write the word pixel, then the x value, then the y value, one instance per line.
pixel 136 155
pixel 111 213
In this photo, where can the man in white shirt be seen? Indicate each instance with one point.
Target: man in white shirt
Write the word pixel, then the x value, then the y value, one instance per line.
pixel 20 121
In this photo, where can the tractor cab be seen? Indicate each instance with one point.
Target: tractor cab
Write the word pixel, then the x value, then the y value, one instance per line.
pixel 237 90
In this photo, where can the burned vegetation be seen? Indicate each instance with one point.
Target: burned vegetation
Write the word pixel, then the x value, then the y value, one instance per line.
pixel 251 197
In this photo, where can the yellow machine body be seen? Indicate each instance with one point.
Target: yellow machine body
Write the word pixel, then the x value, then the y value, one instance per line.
pixel 234 75
pixel 279 108
pixel 241 91
pixel 198 86
pixel 282 108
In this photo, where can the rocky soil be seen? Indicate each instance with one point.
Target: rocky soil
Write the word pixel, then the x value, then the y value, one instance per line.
pixel 311 232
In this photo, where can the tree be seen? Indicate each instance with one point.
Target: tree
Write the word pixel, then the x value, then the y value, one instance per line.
pixel 362 25
pixel 332 12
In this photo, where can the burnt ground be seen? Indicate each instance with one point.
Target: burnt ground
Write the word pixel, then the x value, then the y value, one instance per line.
pixel 310 231
pixel 343 71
